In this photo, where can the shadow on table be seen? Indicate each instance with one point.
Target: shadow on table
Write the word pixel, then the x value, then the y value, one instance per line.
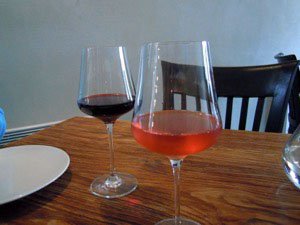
pixel 28 204
pixel 144 206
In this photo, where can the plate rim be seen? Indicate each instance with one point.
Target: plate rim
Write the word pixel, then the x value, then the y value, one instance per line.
pixel 66 166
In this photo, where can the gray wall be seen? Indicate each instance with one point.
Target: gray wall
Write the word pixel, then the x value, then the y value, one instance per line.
pixel 41 41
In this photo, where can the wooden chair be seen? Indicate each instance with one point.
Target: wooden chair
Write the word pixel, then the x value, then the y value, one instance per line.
pixel 294 102
pixel 252 81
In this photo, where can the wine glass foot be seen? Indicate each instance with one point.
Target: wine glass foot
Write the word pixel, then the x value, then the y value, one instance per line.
pixel 116 186
pixel 180 221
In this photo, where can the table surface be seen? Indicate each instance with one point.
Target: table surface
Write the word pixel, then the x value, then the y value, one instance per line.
pixel 240 180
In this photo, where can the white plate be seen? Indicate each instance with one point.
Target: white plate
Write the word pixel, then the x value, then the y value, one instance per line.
pixel 28 168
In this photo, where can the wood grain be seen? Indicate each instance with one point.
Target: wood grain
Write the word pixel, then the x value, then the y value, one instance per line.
pixel 238 181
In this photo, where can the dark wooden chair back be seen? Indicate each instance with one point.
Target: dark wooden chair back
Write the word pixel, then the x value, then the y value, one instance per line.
pixel 245 82
pixel 294 102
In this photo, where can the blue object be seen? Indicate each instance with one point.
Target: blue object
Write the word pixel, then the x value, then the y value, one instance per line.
pixel 2 124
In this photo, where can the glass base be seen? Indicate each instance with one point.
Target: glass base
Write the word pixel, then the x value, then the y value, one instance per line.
pixel 180 221
pixel 116 186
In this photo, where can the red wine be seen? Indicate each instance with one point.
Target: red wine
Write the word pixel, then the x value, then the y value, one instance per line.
pixel 176 133
pixel 106 107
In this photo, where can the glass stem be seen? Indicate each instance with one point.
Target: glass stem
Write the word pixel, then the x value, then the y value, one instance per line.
pixel 109 128
pixel 176 165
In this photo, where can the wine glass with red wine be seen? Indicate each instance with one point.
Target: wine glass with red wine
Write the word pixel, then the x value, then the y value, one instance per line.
pixel 106 92
pixel 176 112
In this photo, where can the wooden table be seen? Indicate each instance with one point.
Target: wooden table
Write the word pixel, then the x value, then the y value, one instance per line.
pixel 238 181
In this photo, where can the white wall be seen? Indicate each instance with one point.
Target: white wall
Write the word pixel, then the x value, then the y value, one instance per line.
pixel 41 41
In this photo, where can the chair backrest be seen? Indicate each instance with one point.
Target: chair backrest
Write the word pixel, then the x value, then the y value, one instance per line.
pixel 294 102
pixel 244 82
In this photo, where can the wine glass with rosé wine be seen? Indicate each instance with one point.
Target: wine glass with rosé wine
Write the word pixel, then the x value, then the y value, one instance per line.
pixel 106 92
pixel 157 124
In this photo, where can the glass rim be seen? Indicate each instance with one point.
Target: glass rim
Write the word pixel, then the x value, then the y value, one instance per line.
pixel 103 47
pixel 166 43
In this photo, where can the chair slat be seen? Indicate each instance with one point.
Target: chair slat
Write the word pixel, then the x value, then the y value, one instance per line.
pixel 183 101
pixel 243 114
pixel 228 112
pixel 258 113
pixel 198 103
pixel 171 102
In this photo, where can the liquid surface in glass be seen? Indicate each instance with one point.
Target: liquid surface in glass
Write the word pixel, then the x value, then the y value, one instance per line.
pixel 176 133
pixel 106 107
